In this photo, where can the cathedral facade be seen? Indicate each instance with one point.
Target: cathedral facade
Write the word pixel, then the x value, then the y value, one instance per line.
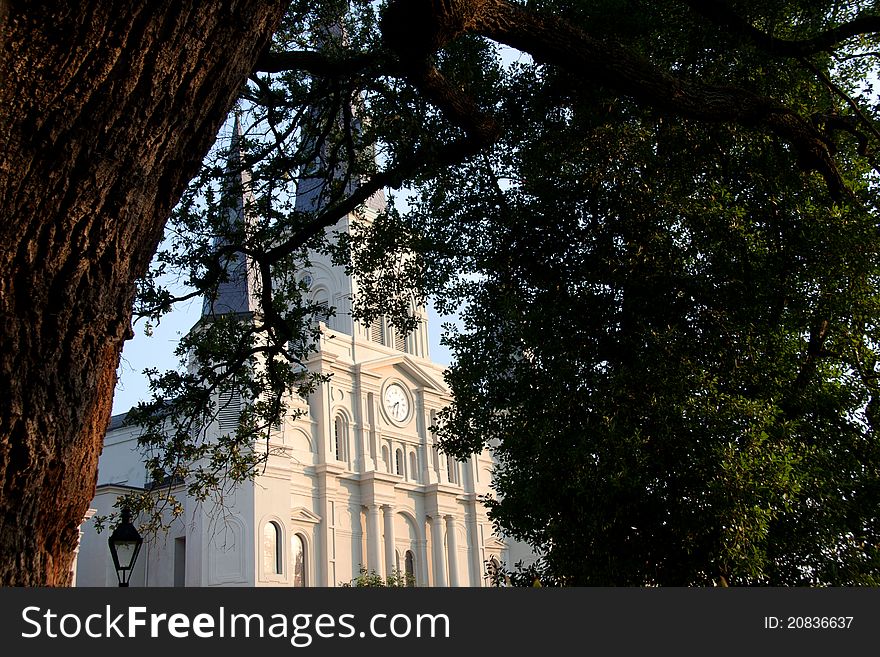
pixel 355 482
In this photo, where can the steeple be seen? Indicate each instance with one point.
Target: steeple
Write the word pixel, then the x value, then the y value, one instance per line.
pixel 312 192
pixel 238 293
pixel 318 184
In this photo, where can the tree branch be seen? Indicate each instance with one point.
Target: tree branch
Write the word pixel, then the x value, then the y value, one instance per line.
pixel 453 152
pixel 721 14
pixel 836 89
pixel 415 29
pixel 316 63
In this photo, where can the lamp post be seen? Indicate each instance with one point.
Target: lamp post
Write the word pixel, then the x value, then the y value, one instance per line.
pixel 125 544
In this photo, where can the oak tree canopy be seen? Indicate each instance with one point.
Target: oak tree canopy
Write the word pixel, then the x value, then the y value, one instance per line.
pixel 657 220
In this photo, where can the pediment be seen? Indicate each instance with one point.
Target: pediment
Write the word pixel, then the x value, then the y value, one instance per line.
pixel 495 544
pixel 302 514
pixel 406 366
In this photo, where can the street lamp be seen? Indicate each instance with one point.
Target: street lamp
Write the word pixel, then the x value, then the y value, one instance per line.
pixel 125 544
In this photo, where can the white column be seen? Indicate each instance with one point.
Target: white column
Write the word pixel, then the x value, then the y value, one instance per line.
pixel 439 552
pixel 423 561
pixel 390 561
pixel 453 550
pixel 365 431
pixel 475 550
pixel 374 561
pixel 374 448
pixel 88 515
pixel 430 463
pixel 321 405
pixel 422 574
pixel 324 557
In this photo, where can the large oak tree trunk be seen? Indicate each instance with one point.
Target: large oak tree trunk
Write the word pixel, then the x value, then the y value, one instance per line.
pixel 106 110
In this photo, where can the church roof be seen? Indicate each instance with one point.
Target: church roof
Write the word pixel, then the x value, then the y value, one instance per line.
pixel 117 421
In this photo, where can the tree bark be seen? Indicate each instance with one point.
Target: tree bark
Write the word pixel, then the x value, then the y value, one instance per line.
pixel 107 109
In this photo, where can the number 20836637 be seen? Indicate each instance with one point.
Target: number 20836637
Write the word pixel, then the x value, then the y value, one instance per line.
pixel 808 622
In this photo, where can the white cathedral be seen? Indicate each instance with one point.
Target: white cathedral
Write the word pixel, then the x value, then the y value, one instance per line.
pixel 356 482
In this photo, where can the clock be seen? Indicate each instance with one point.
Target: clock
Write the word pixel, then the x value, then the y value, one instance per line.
pixel 396 402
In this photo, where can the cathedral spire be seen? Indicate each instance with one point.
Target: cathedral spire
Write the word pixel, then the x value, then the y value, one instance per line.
pixel 313 190
pixel 237 294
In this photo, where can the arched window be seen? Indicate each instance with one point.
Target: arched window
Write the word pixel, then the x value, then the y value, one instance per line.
pixel 323 310
pixel 340 438
pixel 410 568
pixel 298 554
pixel 386 458
pixel 413 466
pixel 398 462
pixel 272 556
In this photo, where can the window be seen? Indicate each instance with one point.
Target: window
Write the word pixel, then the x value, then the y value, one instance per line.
pixel 228 410
pixel 386 458
pixel 340 438
pixel 323 310
pixel 398 462
pixel 452 470
pixel 298 544
pixel 180 561
pixel 377 334
pixel 399 341
pixel 410 566
pixel 272 557
pixel 413 466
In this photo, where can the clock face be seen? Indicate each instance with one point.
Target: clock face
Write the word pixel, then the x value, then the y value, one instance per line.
pixel 396 402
